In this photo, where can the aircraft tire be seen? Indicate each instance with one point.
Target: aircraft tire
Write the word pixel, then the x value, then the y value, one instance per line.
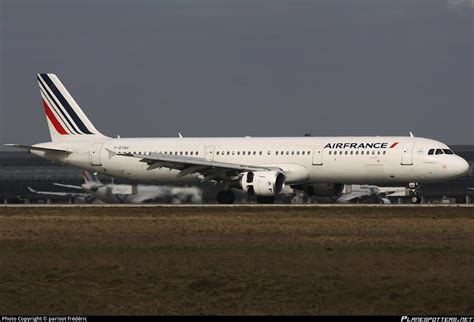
pixel 265 200
pixel 225 197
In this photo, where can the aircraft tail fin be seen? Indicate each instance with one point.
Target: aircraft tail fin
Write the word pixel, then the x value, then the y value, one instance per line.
pixel 90 177
pixel 66 120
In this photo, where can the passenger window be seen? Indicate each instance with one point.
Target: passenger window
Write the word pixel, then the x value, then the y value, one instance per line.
pixel 243 152
pixel 197 153
pixel 191 153
pixel 254 152
pixel 346 152
pixel 378 152
pixel 352 152
pixel 297 152
pixel 233 152
pixel 438 151
pixel 373 152
pixel 287 152
pixel 302 152
pixel 447 151
pixel 216 152
pixel 238 152
pixel 228 152
pixel 431 152
pixel 340 152
pixel 276 153
pixel 269 153
pixel 260 153
pixel 357 152
pixel 329 152
pixel 384 152
pixel 292 152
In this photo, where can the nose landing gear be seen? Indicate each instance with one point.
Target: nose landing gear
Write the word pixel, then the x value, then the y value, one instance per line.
pixel 414 197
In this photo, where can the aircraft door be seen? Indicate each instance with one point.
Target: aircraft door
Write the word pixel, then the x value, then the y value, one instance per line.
pixel 407 153
pixel 318 155
pixel 95 154
pixel 209 153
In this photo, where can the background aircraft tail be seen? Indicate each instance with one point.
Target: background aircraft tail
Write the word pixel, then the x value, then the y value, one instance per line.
pixel 66 120
pixel 90 177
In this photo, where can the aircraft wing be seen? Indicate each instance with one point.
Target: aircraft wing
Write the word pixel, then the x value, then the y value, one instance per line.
pixel 68 186
pixel 347 197
pixel 210 170
pixel 63 194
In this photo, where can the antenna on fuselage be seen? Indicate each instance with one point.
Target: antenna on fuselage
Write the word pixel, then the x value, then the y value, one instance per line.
pixel 180 135
pixel 411 135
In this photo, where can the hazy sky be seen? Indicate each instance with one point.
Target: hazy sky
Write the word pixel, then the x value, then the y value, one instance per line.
pixel 236 68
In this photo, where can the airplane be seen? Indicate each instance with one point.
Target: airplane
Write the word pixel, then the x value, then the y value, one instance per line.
pixel 369 193
pixel 261 167
pixel 93 188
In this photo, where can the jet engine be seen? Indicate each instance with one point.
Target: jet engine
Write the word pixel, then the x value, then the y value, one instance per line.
pixel 263 183
pixel 321 189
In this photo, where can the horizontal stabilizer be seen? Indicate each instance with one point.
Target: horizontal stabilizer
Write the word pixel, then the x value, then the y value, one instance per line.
pixel 37 148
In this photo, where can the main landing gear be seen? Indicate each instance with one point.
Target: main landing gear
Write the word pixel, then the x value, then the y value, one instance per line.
pixel 414 197
pixel 225 197
pixel 266 200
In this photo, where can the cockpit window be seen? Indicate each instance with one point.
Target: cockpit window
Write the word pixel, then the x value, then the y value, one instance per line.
pixel 431 152
pixel 448 151
pixel 439 151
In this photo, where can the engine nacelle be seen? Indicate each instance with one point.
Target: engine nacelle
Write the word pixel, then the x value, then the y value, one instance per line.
pixel 263 183
pixel 321 189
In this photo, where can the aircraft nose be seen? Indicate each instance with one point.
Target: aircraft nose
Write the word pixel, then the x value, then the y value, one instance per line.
pixel 462 167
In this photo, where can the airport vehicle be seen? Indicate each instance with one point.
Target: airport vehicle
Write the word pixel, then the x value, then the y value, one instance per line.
pixel 260 167
pixel 93 188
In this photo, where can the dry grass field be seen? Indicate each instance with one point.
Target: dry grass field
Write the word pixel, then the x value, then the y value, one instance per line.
pixel 276 260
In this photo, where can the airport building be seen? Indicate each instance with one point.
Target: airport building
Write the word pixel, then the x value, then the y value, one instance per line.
pixel 20 170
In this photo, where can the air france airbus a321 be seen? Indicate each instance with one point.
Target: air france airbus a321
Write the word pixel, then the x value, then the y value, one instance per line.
pixel 261 167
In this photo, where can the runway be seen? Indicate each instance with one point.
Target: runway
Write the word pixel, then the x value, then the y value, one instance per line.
pixel 210 206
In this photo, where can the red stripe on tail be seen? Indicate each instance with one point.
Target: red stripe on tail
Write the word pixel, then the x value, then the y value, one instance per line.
pixel 53 119
pixel 86 176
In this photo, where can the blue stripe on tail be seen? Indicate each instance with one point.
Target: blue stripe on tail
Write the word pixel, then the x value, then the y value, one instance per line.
pixel 66 105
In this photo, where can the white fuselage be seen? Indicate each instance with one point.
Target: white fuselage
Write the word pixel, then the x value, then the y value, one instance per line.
pixel 304 160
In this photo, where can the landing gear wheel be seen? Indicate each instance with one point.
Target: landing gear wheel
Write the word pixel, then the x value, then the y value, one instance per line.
pixel 414 198
pixel 225 197
pixel 266 200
